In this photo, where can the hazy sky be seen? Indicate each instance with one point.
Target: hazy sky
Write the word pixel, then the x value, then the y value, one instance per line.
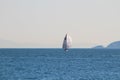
pixel 44 23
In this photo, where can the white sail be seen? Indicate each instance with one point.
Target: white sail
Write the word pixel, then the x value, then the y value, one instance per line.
pixel 67 42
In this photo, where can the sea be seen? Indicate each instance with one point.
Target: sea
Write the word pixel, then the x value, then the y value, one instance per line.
pixel 55 64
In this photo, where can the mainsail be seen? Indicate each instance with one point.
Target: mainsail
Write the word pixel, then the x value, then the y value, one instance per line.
pixel 67 42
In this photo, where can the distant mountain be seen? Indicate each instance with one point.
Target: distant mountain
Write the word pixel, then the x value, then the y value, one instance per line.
pixel 114 45
pixel 98 47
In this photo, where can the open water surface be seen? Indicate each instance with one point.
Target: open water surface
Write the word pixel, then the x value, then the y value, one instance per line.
pixel 55 64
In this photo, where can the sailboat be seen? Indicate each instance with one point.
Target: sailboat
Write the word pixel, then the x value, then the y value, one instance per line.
pixel 67 42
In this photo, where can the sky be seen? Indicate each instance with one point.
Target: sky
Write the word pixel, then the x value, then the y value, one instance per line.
pixel 44 23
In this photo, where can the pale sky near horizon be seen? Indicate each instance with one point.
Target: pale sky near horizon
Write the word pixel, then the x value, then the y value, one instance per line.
pixel 44 23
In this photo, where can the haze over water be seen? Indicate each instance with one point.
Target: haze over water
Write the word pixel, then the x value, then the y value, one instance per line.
pixel 44 23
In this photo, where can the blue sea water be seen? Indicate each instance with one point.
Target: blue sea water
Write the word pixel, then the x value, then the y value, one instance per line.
pixel 55 64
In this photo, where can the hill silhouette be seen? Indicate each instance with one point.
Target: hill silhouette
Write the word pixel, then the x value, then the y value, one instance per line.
pixel 98 47
pixel 113 45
